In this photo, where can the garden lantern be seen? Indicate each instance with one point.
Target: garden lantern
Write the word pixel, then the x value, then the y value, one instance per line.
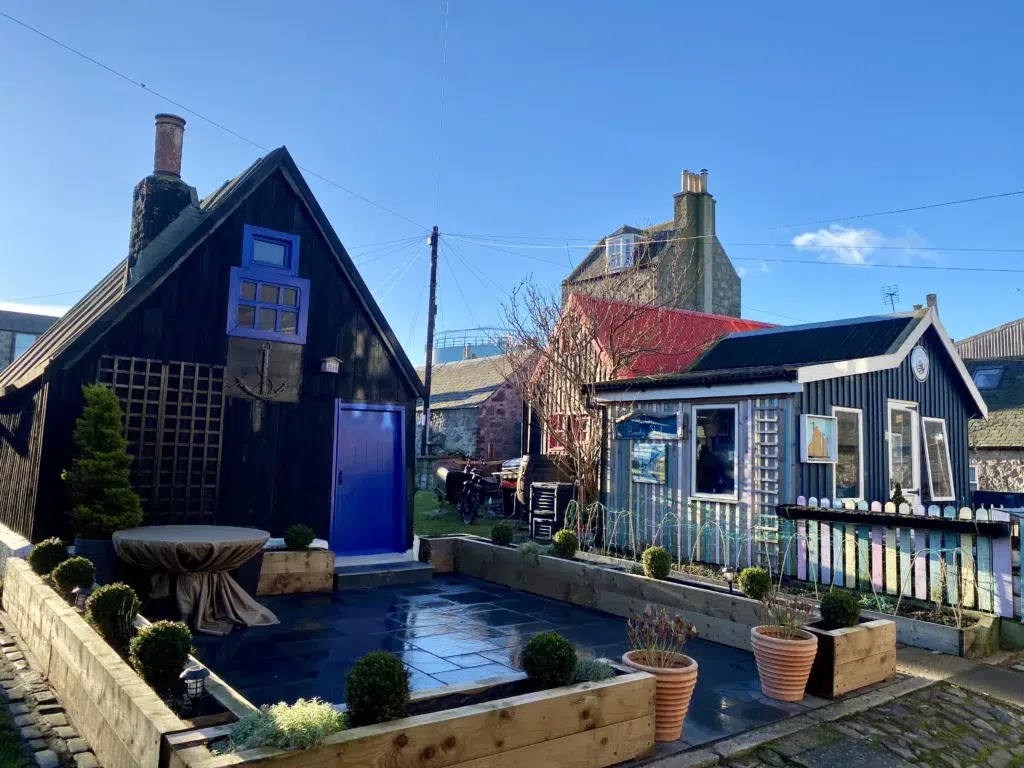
pixel 195 681
pixel 81 596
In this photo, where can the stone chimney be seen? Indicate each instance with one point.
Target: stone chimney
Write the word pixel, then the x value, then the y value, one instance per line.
pixel 932 301
pixel 160 197
pixel 695 219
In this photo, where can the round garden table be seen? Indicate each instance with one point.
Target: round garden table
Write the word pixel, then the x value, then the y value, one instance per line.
pixel 200 557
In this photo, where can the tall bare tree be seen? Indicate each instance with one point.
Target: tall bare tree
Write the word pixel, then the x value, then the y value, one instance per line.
pixel 594 332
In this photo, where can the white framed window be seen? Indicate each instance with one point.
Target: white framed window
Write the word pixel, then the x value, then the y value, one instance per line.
pixel 848 473
pixel 987 378
pixel 903 447
pixel 715 451
pixel 23 341
pixel 619 250
pixel 936 453
pixel 973 475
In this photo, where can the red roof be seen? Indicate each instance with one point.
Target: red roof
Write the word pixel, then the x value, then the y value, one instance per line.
pixel 670 340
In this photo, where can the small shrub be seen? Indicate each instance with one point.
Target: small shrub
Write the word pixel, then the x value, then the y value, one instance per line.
pixel 839 609
pixel 591 671
pixel 302 725
pixel 299 537
pixel 47 555
pixel 376 689
pixel 112 609
pixel 657 562
pixel 502 534
pixel 565 543
pixel 529 549
pixel 549 660
pixel 73 572
pixel 160 652
pixel 635 568
pixel 756 583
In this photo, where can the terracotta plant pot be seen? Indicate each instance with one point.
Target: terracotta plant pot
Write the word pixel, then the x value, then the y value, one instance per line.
pixel 673 689
pixel 784 665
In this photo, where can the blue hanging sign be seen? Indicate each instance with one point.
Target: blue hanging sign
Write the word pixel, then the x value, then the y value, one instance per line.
pixel 648 426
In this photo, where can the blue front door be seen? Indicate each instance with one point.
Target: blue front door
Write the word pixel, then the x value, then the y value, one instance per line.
pixel 369 478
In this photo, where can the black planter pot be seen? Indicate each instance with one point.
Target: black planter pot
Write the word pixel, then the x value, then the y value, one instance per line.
pixel 103 556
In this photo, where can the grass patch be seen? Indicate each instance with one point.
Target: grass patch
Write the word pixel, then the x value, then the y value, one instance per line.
pixel 426 524
pixel 13 751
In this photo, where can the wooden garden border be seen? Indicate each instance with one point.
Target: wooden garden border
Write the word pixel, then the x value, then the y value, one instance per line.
pixel 719 616
pixel 120 716
pixel 590 724
pixel 287 572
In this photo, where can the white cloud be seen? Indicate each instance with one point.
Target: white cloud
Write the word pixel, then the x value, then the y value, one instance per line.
pixel 849 245
pixel 764 267
pixel 34 309
pixel 741 271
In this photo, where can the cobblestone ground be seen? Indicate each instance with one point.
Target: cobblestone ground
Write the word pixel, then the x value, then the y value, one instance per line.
pixel 940 726
pixel 38 715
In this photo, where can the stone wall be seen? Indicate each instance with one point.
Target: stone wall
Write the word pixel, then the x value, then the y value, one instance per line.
pixel 6 348
pixel 499 424
pixel 452 430
pixel 999 469
pixel 726 299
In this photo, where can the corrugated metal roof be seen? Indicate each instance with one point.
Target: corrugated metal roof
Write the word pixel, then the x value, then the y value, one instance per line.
pixel 465 383
pixel 1005 341
pixel 1005 425
pixel 809 344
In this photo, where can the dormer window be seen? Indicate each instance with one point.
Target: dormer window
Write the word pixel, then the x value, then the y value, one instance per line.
pixel 620 252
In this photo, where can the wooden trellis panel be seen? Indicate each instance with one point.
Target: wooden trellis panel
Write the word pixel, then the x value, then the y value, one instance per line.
pixel 173 422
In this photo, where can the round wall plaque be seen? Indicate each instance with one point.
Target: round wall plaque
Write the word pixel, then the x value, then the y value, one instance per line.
pixel 919 362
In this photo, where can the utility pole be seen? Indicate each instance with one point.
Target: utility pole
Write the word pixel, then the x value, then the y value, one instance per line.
pixel 431 311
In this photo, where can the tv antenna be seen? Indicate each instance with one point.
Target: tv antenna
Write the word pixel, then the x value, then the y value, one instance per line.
pixel 890 295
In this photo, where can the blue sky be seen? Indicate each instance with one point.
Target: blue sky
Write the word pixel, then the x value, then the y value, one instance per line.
pixel 562 120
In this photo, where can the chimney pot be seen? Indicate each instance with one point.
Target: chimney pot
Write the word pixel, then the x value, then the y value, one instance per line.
pixel 932 300
pixel 170 133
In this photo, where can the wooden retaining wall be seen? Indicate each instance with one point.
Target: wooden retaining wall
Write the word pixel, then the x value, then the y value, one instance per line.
pixel 288 573
pixel 120 716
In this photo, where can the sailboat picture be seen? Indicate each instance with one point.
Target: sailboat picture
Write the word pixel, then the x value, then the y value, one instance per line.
pixel 819 439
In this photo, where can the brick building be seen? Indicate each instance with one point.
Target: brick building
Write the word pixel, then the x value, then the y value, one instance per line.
pixel 17 332
pixel 475 410
pixel 679 264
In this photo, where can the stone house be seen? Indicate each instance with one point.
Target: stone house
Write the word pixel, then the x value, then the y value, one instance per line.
pixel 996 360
pixel 475 409
pixel 678 264
pixel 997 445
pixel 17 332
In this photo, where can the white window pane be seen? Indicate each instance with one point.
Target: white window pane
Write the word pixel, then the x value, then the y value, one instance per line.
pixel 974 478
pixel 23 341
pixel 901 448
pixel 939 471
pixel 848 461
pixel 987 378
pixel 266 252
pixel 715 447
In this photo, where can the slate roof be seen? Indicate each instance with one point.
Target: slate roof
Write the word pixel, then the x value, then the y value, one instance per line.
pixel 111 299
pixel 658 236
pixel 1005 425
pixel 810 344
pixel 679 335
pixel 465 383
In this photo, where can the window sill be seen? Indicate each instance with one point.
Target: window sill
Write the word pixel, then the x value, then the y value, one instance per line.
pixel 714 497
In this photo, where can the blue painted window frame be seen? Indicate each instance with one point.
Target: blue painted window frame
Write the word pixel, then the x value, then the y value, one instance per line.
pixel 267 276
pixel 251 233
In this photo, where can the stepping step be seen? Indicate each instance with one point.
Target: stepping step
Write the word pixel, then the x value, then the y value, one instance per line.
pixel 381 574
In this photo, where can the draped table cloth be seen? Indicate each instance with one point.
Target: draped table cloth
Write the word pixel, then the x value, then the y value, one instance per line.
pixel 200 556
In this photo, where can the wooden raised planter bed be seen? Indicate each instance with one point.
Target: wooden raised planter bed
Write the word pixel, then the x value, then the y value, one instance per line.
pixel 289 573
pixel 852 657
pixel 590 724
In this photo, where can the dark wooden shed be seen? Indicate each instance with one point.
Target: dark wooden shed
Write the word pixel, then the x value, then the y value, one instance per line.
pixel 262 384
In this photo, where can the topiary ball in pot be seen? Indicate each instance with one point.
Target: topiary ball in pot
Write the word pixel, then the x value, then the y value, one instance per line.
pixel 549 660
pixel 47 555
pixel 73 572
pixel 376 689
pixel 502 534
pixel 839 609
pixel 756 583
pixel 565 543
pixel 657 562
pixel 299 537
pixel 112 609
pixel 160 652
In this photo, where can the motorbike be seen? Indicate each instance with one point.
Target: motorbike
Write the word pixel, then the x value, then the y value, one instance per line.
pixel 477 490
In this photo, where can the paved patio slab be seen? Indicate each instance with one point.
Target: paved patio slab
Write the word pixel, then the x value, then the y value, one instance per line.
pixel 460 630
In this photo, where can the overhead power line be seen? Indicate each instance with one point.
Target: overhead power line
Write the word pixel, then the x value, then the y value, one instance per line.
pixel 202 117
pixel 856 264
pixel 44 296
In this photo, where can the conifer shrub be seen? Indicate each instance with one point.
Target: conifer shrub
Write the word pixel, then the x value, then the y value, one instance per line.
pixel 299 537
pixel 549 660
pixel 565 543
pixel 111 610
